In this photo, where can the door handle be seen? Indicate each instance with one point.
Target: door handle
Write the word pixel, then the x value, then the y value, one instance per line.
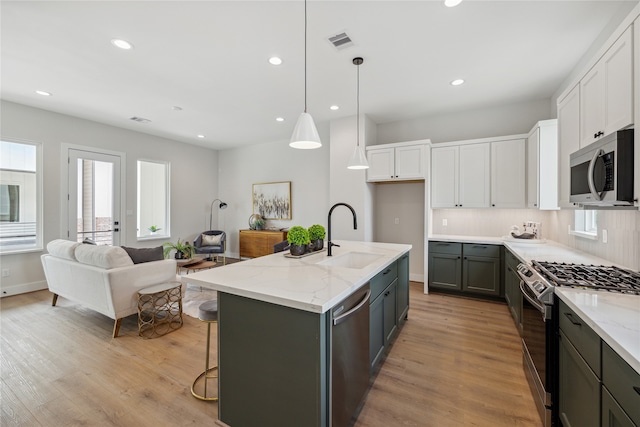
pixel 637 389
pixel 572 320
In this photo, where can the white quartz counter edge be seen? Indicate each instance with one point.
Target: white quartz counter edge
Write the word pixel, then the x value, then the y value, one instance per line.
pixel 299 283
pixel 614 317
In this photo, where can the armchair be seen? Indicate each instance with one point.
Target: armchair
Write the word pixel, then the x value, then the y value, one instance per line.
pixel 212 249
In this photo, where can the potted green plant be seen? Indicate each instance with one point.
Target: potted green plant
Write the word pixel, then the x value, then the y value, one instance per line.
pixel 154 229
pixel 316 234
pixel 298 238
pixel 184 250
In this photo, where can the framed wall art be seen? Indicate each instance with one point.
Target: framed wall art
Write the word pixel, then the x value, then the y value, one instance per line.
pixel 272 200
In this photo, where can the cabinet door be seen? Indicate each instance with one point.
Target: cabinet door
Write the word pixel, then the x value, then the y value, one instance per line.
pixel 390 317
pixel 612 413
pixel 381 164
pixel 475 175
pixel 618 84
pixel 568 142
pixel 410 162
pixel 403 288
pixel 513 296
pixel 533 194
pixel 579 394
pixel 481 275
pixel 591 106
pixel 445 271
pixel 508 174
pixel 444 177
pixel 376 330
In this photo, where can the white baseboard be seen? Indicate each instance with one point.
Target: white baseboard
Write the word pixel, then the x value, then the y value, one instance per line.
pixel 23 288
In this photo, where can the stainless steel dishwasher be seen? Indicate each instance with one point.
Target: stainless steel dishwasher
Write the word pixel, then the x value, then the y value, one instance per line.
pixel 349 356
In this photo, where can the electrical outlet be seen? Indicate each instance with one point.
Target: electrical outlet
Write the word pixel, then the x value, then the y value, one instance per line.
pixel 444 222
pixel 605 236
pixel 397 221
pixel 6 272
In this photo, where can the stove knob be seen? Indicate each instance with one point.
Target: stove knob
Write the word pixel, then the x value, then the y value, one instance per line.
pixel 539 286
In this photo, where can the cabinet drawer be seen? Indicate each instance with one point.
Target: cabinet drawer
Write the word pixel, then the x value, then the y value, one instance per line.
pixel 583 338
pixel 446 248
pixel 489 251
pixel 622 381
pixel 383 279
pixel 511 260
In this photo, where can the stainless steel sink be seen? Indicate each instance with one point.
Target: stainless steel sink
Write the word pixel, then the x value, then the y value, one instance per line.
pixel 355 260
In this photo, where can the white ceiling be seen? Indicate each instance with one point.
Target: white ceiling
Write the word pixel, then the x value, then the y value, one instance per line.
pixel 210 59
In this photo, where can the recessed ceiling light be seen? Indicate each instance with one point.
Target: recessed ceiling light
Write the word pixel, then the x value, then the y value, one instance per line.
pixel 274 60
pixel 43 93
pixel 457 82
pixel 452 3
pixel 334 107
pixel 122 44
pixel 279 119
pixel 200 136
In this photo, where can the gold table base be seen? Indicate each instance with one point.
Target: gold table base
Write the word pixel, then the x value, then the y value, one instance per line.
pixel 159 310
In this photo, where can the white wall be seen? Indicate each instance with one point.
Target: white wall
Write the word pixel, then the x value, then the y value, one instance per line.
pixel 307 170
pixel 193 180
pixel 483 122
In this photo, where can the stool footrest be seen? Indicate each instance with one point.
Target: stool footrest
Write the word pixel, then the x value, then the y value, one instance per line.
pixel 204 375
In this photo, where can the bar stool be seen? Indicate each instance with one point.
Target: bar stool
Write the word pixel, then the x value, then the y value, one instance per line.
pixel 207 312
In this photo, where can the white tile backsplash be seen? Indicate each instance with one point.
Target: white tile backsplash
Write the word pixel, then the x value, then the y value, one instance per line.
pixel 623 228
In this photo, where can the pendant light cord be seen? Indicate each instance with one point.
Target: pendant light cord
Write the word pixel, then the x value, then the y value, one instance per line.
pixel 305 56
pixel 358 108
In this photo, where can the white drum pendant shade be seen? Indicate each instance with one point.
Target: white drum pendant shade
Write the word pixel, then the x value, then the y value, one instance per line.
pixel 305 135
pixel 358 159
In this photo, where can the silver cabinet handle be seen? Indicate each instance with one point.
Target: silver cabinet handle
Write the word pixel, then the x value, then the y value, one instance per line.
pixel 592 185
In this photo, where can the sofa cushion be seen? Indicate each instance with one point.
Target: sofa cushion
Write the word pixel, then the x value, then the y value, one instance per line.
pixel 140 255
pixel 106 257
pixel 211 240
pixel 63 249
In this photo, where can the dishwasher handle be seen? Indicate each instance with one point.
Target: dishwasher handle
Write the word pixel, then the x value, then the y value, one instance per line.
pixel 346 315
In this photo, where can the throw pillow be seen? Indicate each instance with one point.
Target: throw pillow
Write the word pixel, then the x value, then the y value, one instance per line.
pixel 140 255
pixel 106 257
pixel 63 249
pixel 211 240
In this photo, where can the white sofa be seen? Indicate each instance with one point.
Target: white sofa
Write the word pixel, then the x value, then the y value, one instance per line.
pixel 102 278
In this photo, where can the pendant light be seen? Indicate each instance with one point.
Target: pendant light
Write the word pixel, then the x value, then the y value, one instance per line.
pixel 305 135
pixel 358 159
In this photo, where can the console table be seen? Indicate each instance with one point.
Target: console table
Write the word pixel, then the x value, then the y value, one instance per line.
pixel 255 243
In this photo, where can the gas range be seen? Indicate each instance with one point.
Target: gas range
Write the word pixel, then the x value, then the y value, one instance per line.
pixel 543 276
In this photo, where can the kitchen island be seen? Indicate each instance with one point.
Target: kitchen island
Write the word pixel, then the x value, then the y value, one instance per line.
pixel 275 329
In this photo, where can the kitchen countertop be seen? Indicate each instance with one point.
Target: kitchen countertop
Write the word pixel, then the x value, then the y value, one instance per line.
pixel 614 317
pixel 299 283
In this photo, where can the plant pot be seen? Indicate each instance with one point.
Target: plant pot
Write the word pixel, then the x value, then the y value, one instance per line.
pixel 318 244
pixel 179 255
pixel 297 250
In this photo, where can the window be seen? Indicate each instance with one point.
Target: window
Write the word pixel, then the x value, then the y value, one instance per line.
pixel 586 224
pixel 20 197
pixel 153 199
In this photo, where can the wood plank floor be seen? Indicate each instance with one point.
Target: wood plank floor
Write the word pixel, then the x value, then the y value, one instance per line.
pixel 457 362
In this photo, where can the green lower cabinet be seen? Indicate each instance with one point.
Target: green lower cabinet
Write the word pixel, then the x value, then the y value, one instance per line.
pixel 445 271
pixel 403 289
pixel 579 391
pixel 382 323
pixel 481 275
pixel 612 413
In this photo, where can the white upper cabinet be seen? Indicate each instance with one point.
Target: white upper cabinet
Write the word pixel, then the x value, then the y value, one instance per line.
pixel 394 162
pixel 606 92
pixel 508 174
pixel 479 174
pixel 542 166
pixel 636 42
pixel 444 177
pixel 475 176
pixel 568 142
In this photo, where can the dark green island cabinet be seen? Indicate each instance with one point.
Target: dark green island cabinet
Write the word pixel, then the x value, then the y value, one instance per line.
pixel 596 387
pixel 466 267
pixel 274 361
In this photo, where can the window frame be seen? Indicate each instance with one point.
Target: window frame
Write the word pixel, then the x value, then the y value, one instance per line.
pixel 39 209
pixel 585 224
pixel 140 229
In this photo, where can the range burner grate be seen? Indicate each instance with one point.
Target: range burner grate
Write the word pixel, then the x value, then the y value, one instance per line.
pixel 599 277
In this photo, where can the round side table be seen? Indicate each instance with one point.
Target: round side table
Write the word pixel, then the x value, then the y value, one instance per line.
pixel 159 309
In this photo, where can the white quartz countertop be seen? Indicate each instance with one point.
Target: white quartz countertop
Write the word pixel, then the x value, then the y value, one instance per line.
pixel 615 317
pixel 300 283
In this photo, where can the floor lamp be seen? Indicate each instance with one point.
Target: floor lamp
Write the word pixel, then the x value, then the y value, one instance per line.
pixel 222 206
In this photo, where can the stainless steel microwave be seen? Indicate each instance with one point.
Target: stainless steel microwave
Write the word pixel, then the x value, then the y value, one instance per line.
pixel 602 172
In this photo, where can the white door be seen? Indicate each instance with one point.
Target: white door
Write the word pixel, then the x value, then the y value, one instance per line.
pixel 410 162
pixel 94 197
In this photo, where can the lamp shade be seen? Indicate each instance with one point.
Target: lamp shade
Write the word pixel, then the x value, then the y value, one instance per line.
pixel 358 160
pixel 305 135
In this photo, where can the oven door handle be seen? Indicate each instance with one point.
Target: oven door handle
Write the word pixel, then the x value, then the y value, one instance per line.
pixel 537 304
